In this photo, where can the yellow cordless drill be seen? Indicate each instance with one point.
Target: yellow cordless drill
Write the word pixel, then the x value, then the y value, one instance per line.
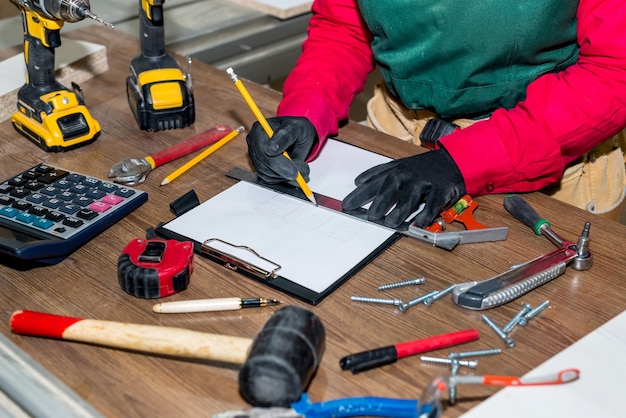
pixel 49 114
pixel 159 94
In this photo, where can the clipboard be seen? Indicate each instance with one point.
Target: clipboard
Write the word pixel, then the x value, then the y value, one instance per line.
pixel 285 241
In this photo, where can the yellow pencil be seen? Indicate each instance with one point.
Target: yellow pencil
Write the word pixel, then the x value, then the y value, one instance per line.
pixel 268 129
pixel 203 155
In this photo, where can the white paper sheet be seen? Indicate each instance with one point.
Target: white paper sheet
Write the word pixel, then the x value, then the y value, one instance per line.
pixel 334 171
pixel 597 393
pixel 314 246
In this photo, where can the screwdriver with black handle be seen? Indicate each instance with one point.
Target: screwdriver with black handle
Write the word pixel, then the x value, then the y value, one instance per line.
pixel 524 213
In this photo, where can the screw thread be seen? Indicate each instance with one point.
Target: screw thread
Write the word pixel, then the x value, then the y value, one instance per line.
pixel 376 300
pixel 416 301
pixel 439 295
pixel 417 280
pixel 466 363
pixel 476 353
pixel 511 324
pixel 509 341
pixel 534 312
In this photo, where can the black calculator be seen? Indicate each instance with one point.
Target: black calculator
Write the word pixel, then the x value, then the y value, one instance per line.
pixel 48 212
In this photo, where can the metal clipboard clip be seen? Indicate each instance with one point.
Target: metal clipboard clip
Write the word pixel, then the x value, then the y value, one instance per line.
pixel 235 262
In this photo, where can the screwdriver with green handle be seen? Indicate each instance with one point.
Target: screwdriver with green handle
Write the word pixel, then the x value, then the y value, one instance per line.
pixel 524 213
pixel 527 276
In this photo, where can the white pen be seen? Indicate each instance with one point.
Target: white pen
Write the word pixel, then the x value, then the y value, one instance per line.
pixel 211 305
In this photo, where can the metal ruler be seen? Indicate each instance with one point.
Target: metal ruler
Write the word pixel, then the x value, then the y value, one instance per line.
pixel 446 240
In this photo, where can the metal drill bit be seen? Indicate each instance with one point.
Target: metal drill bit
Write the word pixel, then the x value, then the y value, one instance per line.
pixel 91 15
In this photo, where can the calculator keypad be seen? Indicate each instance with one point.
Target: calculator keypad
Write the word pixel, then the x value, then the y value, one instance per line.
pixel 60 202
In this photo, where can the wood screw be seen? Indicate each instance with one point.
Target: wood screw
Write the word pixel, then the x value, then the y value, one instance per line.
pixel 417 280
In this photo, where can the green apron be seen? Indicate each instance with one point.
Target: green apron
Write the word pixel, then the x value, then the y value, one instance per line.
pixel 462 58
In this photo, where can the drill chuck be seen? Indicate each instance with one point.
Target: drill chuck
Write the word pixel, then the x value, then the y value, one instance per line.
pixel 66 10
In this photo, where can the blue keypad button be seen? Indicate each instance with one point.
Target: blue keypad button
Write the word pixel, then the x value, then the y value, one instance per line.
pixel 42 223
pixel 79 188
pixel 75 178
pixel 82 201
pixel 52 203
pixel 62 184
pixel 9 212
pixel 25 217
pixel 50 191
pixel 96 193
pixel 36 198
pixel 69 208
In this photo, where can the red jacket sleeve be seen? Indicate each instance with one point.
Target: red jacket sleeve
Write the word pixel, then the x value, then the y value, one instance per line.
pixel 563 116
pixel 335 62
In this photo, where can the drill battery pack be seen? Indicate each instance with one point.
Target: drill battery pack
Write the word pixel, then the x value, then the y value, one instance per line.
pixel 155 268
pixel 160 99
pixel 57 121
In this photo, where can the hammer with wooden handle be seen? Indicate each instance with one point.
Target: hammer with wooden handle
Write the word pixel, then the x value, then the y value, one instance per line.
pixel 277 365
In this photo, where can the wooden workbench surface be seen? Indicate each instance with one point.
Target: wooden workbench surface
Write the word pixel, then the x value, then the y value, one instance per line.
pixel 126 384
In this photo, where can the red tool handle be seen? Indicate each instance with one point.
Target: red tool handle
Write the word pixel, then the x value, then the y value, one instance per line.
pixel 156 339
pixel 40 324
pixel 386 355
pixel 436 342
pixel 190 145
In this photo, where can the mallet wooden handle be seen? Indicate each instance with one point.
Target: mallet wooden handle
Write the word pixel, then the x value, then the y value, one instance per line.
pixel 169 341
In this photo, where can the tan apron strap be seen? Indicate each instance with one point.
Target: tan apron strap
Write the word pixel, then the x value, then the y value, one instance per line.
pixel 386 114
pixel 597 183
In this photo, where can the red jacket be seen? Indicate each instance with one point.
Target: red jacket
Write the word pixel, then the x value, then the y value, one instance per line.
pixel 520 149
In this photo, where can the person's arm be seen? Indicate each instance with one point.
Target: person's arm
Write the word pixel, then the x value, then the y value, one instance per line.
pixel 335 62
pixel 564 115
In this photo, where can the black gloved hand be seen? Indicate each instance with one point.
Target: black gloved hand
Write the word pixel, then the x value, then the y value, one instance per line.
pixel 295 135
pixel 432 178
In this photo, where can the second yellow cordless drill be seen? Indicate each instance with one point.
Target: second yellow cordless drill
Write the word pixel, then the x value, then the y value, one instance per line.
pixel 159 94
pixel 49 114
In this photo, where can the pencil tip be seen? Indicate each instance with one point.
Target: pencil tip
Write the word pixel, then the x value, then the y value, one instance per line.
pixel 312 199
pixel 164 182
pixel 157 308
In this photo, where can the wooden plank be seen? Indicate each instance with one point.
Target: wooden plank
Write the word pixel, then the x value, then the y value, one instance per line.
pixel 282 9
pixel 75 61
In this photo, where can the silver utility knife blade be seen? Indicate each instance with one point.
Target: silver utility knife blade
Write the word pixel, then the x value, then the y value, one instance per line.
pixel 525 277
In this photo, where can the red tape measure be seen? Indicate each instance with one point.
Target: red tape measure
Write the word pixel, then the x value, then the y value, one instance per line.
pixel 155 268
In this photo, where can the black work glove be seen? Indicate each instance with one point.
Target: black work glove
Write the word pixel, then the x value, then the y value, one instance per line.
pixel 432 178
pixel 295 135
